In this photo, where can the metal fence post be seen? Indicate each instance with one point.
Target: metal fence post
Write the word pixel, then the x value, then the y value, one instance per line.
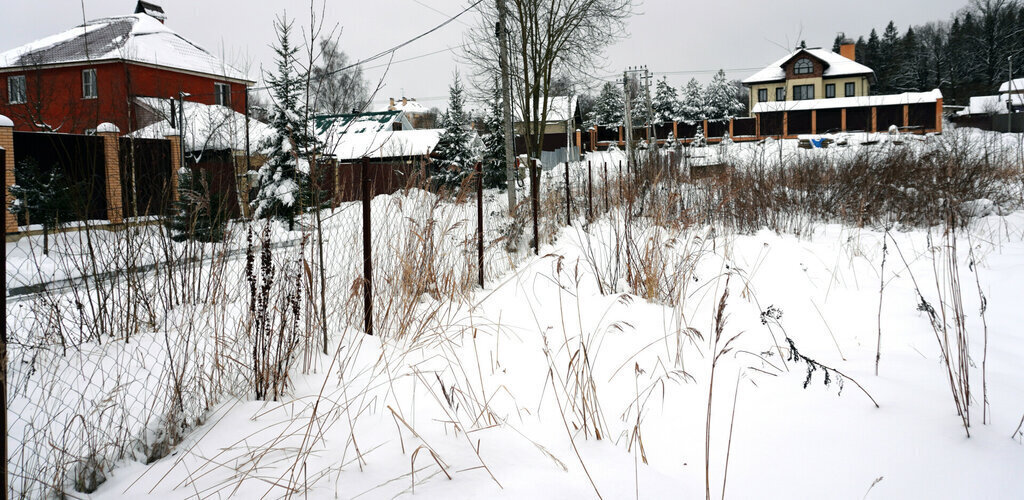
pixel 568 195
pixel 590 191
pixel 480 223
pixel 367 250
pixel 606 204
pixel 535 201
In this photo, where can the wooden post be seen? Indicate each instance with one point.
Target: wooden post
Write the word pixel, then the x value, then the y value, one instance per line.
pixel 874 119
pixel 938 115
pixel 367 249
pixel 620 134
pixel 112 169
pixel 7 144
pixel 814 121
pixel 675 129
pixel 705 131
pixel 757 126
pixel 480 223
pixel 785 123
pixel 906 115
pixel 842 119
pixel 730 128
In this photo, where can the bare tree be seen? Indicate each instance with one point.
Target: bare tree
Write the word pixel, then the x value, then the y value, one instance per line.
pixel 547 39
pixel 339 90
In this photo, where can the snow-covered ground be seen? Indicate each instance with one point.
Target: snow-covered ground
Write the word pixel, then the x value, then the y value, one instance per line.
pixel 560 380
pixel 488 398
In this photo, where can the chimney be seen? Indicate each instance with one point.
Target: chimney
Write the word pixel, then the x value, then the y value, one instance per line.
pixel 404 101
pixel 847 48
pixel 151 9
pixel 391 107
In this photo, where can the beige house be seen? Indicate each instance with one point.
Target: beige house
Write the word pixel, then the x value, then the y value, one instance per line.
pixel 807 74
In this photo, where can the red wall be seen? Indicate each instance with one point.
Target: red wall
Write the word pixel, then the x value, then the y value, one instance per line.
pixel 54 95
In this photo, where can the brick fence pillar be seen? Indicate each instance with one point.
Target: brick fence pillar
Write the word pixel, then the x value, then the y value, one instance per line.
pixel 7 144
pixel 175 163
pixel 112 170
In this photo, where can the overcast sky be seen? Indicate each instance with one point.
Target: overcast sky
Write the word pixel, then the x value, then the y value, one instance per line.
pixel 682 39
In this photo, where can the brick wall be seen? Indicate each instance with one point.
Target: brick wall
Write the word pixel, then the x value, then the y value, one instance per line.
pixel 112 163
pixel 7 143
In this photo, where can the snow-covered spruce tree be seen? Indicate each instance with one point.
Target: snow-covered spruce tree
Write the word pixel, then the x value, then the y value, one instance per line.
pixel 665 102
pixel 608 109
pixel 284 180
pixel 452 156
pixel 43 197
pixel 494 144
pixel 200 214
pixel 692 107
pixel 720 98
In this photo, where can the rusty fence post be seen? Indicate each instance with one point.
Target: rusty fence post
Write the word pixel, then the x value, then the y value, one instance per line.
pixel 590 191
pixel 606 204
pixel 367 250
pixel 480 224
pixel 568 195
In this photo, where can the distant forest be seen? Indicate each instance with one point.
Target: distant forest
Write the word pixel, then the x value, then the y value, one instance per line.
pixel 964 56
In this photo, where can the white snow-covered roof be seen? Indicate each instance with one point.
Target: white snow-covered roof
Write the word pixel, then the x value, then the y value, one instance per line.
pixel 136 38
pixel 389 144
pixel 208 127
pixel 361 123
pixel 560 109
pixel 849 102
pixel 404 104
pixel 1015 85
pixel 836 65
pixel 991 104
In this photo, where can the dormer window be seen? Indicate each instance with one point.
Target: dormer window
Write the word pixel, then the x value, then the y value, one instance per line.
pixel 803 67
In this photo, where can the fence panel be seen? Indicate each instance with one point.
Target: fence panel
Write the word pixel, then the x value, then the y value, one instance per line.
pixel 78 163
pixel 145 176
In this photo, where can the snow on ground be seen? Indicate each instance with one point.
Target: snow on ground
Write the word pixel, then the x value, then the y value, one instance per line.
pixel 411 402
pixel 486 389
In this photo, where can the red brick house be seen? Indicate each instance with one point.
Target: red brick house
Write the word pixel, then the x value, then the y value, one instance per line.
pixel 72 81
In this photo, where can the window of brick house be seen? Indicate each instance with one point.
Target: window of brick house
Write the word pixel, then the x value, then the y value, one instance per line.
pixel 803 67
pixel 89 90
pixel 16 89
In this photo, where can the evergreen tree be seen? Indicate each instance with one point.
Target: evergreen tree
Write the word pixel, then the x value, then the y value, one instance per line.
pixel 608 110
pixel 889 63
pixel 872 59
pixel 861 50
pixel 200 214
pixel 665 102
pixel 42 197
pixel 494 144
pixel 284 180
pixel 452 156
pixel 720 98
pixel 692 108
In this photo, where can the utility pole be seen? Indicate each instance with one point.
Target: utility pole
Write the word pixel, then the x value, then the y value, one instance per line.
pixel 506 108
pixel 1009 96
pixel 629 120
pixel 652 140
